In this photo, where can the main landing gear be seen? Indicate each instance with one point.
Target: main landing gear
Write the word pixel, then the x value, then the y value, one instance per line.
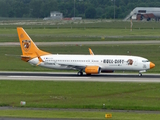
pixel 140 74
pixel 80 73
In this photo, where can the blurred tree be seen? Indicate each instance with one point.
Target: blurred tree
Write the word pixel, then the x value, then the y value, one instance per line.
pixel 99 12
pixel 83 8
pixel 49 6
pixel 36 8
pixel 90 13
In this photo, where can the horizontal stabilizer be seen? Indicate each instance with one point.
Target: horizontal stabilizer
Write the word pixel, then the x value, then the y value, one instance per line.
pixel 25 58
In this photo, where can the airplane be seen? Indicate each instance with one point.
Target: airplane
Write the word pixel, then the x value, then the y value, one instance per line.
pixel 90 64
pixel 140 13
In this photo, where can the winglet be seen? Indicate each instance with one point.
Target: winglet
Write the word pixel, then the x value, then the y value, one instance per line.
pixel 90 51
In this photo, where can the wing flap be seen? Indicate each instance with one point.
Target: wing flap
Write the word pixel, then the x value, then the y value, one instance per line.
pixel 77 67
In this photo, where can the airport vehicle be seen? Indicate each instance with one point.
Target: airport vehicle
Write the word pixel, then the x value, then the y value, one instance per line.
pixel 140 13
pixel 90 64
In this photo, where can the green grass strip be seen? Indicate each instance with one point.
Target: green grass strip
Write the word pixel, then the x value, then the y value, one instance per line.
pixel 80 95
pixel 94 115
pixel 68 34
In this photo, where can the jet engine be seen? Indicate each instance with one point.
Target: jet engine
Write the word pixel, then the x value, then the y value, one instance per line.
pixel 92 70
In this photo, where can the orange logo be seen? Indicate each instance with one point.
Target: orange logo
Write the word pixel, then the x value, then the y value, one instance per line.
pixel 130 62
pixel 26 45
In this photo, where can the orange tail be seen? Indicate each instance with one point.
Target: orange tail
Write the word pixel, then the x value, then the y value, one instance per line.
pixel 28 47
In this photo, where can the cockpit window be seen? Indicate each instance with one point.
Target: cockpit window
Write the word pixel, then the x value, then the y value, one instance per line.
pixel 145 60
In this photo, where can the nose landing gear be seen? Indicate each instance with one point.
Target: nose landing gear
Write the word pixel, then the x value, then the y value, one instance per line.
pixel 140 72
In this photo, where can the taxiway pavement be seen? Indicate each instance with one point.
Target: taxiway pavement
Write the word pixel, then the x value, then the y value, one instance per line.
pixel 84 43
pixel 70 76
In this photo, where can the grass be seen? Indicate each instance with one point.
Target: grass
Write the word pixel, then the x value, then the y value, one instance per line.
pixel 89 115
pixel 14 63
pixel 84 95
pixel 80 34
pixel 85 30
pixel 109 24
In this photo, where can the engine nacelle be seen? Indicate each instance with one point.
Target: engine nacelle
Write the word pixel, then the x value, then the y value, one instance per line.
pixel 92 70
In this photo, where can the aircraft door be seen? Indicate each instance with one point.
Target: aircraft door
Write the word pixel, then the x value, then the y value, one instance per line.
pixel 135 62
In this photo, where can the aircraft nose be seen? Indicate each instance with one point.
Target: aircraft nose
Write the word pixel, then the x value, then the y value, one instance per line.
pixel 152 65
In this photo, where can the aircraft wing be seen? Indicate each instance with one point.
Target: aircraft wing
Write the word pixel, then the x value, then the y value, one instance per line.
pixel 77 67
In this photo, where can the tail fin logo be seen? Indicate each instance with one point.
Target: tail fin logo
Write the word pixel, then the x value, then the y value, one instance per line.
pixel 26 45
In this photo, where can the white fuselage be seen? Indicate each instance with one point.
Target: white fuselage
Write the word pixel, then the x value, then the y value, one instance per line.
pixel 146 10
pixel 105 62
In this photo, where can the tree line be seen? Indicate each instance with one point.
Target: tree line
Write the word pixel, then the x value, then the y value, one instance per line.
pixel 88 9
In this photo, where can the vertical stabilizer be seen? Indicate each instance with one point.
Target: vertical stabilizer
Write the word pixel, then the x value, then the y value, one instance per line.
pixel 28 47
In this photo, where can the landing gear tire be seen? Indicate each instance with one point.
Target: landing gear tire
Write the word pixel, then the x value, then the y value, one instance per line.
pixel 140 74
pixel 80 73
